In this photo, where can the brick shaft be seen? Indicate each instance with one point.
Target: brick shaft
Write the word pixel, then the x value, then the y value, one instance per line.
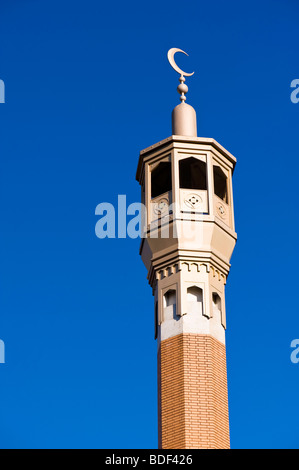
pixel 192 389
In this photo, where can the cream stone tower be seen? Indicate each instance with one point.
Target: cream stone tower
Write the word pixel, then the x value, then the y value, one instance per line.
pixel 189 236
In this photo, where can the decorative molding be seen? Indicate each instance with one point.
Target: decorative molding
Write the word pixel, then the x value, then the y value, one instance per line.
pixel 160 206
pixel 218 274
pixel 189 265
pixel 192 201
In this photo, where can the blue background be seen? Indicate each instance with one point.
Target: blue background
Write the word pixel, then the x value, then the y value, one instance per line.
pixel 88 85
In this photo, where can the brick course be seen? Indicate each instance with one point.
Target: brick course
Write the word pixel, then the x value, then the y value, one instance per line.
pixel 192 393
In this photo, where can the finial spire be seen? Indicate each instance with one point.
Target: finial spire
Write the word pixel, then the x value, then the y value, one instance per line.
pixel 182 88
pixel 183 115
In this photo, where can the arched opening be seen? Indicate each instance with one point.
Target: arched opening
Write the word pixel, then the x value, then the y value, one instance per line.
pixel 161 179
pixel 193 174
pixel 169 304
pixel 156 320
pixel 195 300
pixel 216 300
pixel 220 183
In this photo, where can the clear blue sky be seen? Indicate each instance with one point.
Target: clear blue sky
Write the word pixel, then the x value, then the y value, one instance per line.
pixel 88 86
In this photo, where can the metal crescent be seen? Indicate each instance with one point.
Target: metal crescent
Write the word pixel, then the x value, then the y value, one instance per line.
pixel 170 56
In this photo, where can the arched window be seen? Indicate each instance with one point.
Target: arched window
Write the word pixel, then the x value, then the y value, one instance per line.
pixel 193 174
pixel 169 304
pixel 195 300
pixel 216 304
pixel 161 179
pixel 220 183
pixel 156 320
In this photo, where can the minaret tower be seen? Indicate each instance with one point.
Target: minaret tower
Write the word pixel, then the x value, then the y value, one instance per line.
pixel 189 236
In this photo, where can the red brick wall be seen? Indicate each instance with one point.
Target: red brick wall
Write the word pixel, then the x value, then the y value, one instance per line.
pixel 192 389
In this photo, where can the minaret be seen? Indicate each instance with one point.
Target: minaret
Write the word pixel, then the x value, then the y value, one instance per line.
pixel 189 236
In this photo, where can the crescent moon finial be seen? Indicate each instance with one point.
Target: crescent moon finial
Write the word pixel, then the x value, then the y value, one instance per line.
pixel 182 88
pixel 170 56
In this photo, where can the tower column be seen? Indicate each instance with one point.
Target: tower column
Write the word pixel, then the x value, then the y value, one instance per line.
pixel 189 237
pixel 192 378
pixel 192 391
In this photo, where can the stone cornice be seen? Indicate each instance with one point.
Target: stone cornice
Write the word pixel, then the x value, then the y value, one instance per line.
pixel 207 261
pixel 174 140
